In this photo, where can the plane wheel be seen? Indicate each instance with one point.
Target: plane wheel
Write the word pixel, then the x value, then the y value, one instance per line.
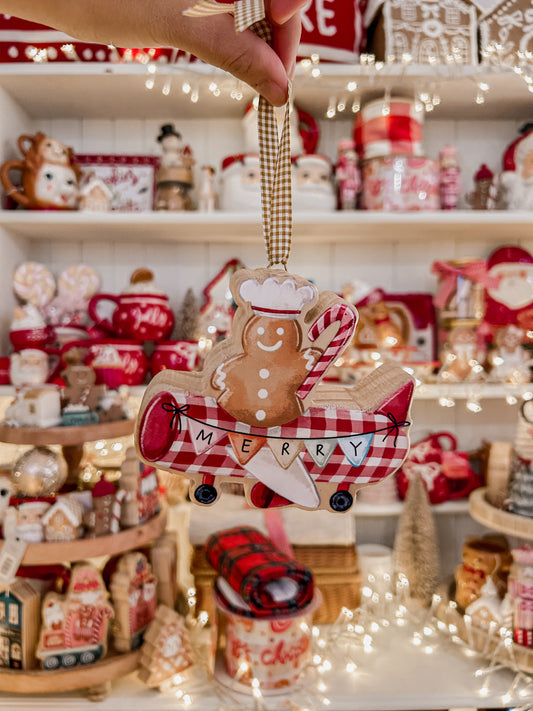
pixel 341 501
pixel 205 494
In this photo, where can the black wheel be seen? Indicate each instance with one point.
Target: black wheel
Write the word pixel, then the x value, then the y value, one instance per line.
pixel 205 494
pixel 341 501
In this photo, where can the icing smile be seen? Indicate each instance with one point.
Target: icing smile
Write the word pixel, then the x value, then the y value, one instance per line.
pixel 275 347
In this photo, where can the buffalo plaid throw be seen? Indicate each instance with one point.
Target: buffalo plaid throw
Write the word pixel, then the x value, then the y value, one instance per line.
pixel 249 562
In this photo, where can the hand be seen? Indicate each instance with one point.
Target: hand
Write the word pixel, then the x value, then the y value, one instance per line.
pixel 161 23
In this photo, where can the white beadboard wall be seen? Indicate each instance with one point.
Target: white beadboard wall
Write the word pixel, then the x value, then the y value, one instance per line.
pixel 394 265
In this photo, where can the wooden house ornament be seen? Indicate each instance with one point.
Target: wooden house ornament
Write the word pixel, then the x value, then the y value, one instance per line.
pixel 75 626
pixel 427 31
pixel 133 589
pixel 166 650
pixel 19 624
pixel 63 520
pixel 164 560
pixel 506 31
pixel 95 196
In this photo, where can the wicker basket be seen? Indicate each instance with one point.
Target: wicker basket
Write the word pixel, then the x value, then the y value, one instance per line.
pixel 334 569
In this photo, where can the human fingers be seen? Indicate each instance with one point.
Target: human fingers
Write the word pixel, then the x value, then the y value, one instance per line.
pixel 285 42
pixel 281 11
pixel 244 55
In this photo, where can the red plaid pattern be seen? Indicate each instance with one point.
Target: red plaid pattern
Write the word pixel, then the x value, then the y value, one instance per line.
pixel 249 561
pixel 387 451
pixel 346 318
pixel 398 130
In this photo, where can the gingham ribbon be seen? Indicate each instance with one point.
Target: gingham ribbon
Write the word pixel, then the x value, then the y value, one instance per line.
pixel 245 12
pixel 274 151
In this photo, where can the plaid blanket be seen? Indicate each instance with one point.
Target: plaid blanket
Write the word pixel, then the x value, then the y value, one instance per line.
pixel 249 562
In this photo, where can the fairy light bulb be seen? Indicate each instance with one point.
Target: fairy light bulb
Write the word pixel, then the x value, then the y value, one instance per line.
pixel 149 83
pixel 166 87
pixel 186 87
pixel 213 86
pixel 356 105
pixel 351 85
pixel 195 95
pixel 332 110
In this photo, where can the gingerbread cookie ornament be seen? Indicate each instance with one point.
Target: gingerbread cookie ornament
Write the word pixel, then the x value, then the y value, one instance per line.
pixel 258 412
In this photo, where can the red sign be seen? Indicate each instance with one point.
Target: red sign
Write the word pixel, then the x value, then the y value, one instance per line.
pixel 333 29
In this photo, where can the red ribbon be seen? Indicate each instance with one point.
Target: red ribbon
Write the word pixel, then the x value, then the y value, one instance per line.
pixel 448 273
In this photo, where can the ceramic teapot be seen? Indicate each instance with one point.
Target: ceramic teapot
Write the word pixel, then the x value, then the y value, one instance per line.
pixel 142 311
pixel 49 179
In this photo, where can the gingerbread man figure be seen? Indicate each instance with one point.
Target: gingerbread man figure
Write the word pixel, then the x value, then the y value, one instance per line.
pixel 260 386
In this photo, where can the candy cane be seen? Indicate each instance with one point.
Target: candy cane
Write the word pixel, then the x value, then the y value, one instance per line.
pixel 347 319
pixel 117 510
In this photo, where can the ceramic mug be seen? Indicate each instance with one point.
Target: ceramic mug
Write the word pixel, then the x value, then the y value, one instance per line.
pixel 32 366
pixel 141 317
pixel 48 178
pixel 115 361
pixel 31 337
pixel 174 355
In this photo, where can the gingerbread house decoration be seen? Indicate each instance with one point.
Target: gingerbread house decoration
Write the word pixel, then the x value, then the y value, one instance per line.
pixel 166 650
pixel 506 31
pixel 19 624
pixel 133 589
pixel 487 607
pixel 35 407
pixel 62 521
pixel 426 32
pixel 95 196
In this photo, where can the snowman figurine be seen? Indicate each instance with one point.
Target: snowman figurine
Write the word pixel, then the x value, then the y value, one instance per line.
pixel 259 387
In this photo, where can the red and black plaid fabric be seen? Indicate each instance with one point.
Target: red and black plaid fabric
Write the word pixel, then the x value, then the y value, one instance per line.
pixel 249 561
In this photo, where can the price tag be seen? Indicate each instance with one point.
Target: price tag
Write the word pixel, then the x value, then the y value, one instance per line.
pixel 11 556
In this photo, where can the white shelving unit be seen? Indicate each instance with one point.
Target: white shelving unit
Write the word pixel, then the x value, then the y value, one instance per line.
pixel 99 108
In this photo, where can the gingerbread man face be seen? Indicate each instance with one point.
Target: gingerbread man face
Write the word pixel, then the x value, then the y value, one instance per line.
pixel 265 335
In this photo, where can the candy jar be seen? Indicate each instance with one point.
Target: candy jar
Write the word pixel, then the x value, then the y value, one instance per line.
pixel 449 178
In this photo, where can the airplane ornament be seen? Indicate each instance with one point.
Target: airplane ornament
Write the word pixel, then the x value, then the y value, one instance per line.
pixel 259 414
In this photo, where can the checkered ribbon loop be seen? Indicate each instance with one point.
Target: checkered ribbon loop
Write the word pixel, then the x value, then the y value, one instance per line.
pixel 245 12
pixel 177 412
pixel 274 151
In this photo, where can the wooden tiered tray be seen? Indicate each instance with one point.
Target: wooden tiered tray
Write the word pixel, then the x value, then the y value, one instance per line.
pixel 85 548
pixel 71 439
pixel 483 512
pixel 95 678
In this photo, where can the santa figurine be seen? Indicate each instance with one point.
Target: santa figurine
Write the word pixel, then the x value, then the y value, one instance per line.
pixel 312 185
pixel 449 178
pixel 240 187
pixel 516 181
pixel 347 174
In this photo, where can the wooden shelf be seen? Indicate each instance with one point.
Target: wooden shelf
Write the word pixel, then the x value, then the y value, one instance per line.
pixel 66 436
pixel 502 521
pixel 94 90
pixel 84 548
pixel 40 681
pixel 339 227
pixel 364 510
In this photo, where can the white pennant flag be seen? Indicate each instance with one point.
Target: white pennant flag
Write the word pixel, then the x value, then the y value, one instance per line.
pixel 320 450
pixel 204 437
pixel 356 448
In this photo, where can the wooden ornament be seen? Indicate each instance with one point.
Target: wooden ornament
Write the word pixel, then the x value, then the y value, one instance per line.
pixel 257 408
pixel 74 626
pixel 133 587
pixel 63 520
pixel 166 650
pixel 19 624
pixel 164 560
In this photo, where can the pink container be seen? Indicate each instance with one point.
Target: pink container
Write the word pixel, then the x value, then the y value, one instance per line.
pixel 174 355
pixel 388 127
pixel 400 183
pixel 273 651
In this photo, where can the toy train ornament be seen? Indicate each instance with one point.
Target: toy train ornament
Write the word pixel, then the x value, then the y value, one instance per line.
pixel 258 413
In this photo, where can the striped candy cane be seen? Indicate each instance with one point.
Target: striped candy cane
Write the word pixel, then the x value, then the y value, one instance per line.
pixel 338 313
